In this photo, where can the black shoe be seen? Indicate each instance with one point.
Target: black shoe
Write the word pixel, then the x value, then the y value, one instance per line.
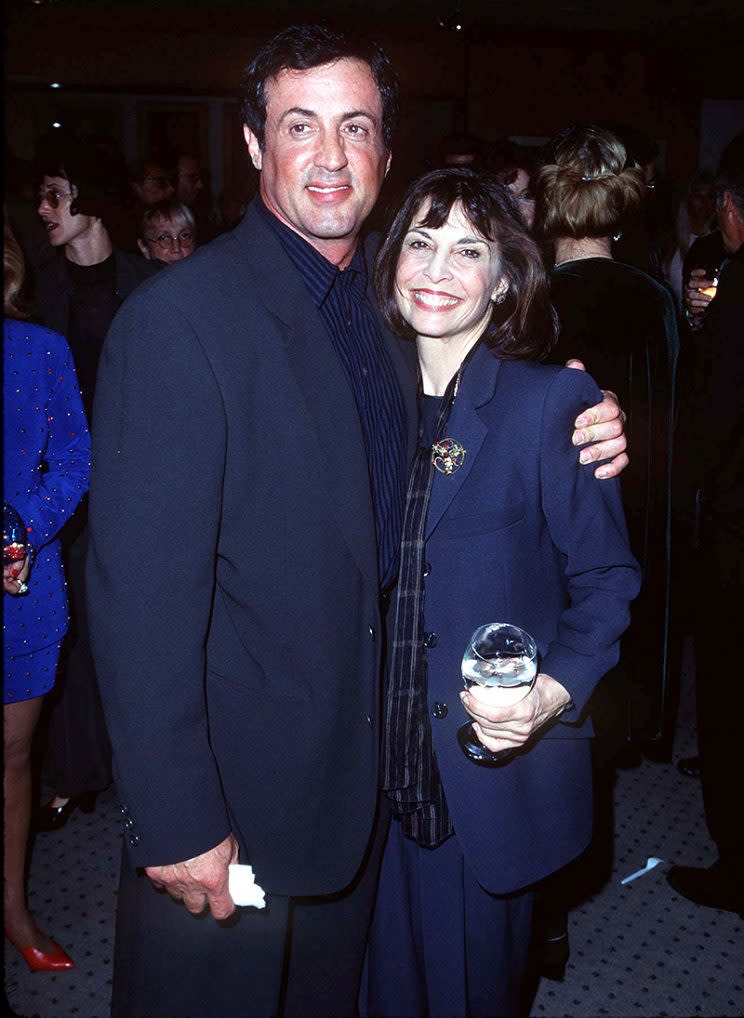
pixel 554 955
pixel 689 766
pixel 710 887
pixel 53 818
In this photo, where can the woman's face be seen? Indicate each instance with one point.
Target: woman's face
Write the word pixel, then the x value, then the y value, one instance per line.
pixel 447 277
pixel 520 188
pixel 168 240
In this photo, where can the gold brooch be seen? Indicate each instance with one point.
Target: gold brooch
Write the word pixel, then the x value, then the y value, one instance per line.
pixel 447 456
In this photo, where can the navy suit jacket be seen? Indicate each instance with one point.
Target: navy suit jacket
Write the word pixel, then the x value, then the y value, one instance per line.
pixel 522 533
pixel 233 581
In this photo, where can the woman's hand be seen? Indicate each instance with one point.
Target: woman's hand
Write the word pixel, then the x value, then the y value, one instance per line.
pixel 510 727
pixel 602 425
pixel 15 575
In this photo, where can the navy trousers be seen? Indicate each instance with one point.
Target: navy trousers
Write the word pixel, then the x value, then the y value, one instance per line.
pixel 440 945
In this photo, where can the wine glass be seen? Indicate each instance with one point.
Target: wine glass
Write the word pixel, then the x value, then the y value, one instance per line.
pixel 15 541
pixel 499 668
pixel 712 273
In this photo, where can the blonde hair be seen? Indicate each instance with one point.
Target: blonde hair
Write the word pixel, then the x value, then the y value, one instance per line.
pixel 589 189
pixel 14 273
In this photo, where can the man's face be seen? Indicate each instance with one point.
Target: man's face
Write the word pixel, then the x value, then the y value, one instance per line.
pixel 324 159
pixel 730 222
pixel 55 197
pixel 189 182
pixel 154 186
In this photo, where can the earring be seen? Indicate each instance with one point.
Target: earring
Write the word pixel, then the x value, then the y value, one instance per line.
pixel 499 298
pixel 617 236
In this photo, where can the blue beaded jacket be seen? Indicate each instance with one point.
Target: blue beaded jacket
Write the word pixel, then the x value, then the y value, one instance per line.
pixel 46 463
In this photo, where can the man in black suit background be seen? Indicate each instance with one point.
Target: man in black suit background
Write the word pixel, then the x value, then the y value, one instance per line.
pixel 720 582
pixel 254 423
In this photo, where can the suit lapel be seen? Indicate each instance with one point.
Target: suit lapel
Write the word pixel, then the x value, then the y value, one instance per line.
pixel 320 376
pixel 466 427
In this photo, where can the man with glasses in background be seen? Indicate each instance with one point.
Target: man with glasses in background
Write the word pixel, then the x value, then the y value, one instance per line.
pixel 150 182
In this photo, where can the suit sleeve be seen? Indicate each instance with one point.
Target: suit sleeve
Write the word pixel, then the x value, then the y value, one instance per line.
pixel 587 524
pixel 156 485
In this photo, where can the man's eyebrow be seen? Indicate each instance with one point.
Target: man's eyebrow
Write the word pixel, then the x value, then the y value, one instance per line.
pixel 359 113
pixel 300 111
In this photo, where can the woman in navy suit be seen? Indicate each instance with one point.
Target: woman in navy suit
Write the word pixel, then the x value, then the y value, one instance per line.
pixel 501 524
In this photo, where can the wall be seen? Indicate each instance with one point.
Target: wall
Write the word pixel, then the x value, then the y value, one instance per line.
pixel 505 82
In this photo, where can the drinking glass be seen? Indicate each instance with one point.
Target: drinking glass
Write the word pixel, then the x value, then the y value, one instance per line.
pixel 499 668
pixel 15 540
pixel 711 274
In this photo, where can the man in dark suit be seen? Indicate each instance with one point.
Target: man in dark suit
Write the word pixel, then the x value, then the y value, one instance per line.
pixel 720 587
pixel 254 423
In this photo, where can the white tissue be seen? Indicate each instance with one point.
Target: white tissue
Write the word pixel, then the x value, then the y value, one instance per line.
pixel 243 887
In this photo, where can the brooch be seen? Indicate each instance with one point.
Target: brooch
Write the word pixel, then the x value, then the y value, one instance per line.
pixel 447 456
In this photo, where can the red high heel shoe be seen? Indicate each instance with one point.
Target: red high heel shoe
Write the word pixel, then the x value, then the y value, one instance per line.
pixel 39 961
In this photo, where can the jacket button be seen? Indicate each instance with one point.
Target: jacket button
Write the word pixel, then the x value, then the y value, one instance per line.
pixel 427 568
pixel 430 640
pixel 439 710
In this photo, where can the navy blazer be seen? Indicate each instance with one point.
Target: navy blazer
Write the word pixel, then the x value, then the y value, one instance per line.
pixel 233 581
pixel 522 533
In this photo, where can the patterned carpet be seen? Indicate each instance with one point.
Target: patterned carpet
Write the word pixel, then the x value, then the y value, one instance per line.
pixel 637 949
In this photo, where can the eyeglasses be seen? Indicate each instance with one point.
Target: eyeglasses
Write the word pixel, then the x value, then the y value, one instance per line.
pixel 166 240
pixel 160 181
pixel 52 196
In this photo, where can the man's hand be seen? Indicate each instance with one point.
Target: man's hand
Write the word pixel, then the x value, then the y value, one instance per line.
pixel 510 727
pixel 15 575
pixel 200 881
pixel 603 425
pixel 695 301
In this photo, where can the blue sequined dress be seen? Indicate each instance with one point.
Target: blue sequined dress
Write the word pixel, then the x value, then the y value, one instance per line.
pixel 46 462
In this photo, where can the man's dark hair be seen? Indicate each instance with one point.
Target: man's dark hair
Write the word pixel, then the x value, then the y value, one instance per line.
pixel 137 170
pixel 302 47
pixel 523 327
pixel 730 175
pixel 94 173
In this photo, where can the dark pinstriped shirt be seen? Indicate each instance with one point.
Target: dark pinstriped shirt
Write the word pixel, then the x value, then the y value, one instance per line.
pixel 344 302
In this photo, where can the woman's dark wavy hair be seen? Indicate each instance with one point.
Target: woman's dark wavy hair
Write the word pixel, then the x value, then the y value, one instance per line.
pixel 524 326
pixel 302 47
pixel 90 170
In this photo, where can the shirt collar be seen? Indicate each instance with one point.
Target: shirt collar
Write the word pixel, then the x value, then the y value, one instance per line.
pixel 317 272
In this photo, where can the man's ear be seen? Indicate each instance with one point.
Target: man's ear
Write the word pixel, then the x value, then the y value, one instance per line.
pixel 144 249
pixel 254 149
